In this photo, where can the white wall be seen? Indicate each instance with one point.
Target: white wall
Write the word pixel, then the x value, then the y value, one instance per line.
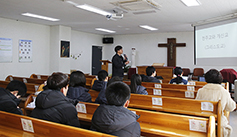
pixel 148 51
pixel 58 34
pixel 82 43
pixel 40 36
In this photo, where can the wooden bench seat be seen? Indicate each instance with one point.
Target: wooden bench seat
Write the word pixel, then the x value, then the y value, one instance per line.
pixel 38 76
pixel 11 125
pixel 31 88
pixel 158 123
pixel 169 92
pixel 89 79
pixel 25 80
pixel 172 105
pixel 193 87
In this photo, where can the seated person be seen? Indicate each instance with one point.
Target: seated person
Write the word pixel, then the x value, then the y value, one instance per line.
pixel 101 99
pixel 178 80
pixel 52 103
pixel 213 91
pixel 136 86
pixel 115 118
pixel 9 97
pixel 102 82
pixel 151 73
pixel 77 88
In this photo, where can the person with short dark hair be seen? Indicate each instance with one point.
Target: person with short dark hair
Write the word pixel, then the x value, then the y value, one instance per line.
pixel 136 86
pixel 115 118
pixel 52 103
pixel 151 75
pixel 178 80
pixel 9 97
pixel 102 82
pixel 101 99
pixel 77 88
pixel 213 91
pixel 118 62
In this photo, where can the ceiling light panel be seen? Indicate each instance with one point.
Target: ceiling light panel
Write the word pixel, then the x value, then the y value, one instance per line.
pixel 39 16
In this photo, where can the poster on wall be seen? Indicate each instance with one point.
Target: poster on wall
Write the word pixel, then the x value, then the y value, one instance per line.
pixel 25 50
pixel 65 49
pixel 5 50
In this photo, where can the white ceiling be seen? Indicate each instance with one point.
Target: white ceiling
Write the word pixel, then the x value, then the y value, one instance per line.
pixel 172 17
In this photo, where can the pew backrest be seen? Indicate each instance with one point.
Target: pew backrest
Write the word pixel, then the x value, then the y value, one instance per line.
pixel 27 126
pixel 25 80
pixel 158 123
pixel 31 88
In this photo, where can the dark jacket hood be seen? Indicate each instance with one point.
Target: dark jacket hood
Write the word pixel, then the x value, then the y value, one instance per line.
pixel 112 118
pixel 49 98
pixel 141 89
pixel 7 95
pixel 99 85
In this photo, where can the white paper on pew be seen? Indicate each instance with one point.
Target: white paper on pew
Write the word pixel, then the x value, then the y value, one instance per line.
pixel 191 88
pixel 38 77
pixel 24 80
pixel 134 112
pixel 207 106
pixel 160 80
pixel 157 85
pixel 11 78
pixel 191 83
pixel 157 101
pixel 27 125
pixel 81 108
pixel 157 92
pixel 189 94
pixel 36 88
pixel 197 125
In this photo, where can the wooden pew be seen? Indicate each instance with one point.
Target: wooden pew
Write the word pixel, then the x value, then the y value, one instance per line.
pixel 25 80
pixel 89 79
pixel 175 86
pixel 169 92
pixel 44 77
pixel 158 123
pixel 172 105
pixel 31 88
pixel 11 125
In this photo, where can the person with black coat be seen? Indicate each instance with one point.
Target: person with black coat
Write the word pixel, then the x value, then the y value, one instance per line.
pixel 52 103
pixel 9 97
pixel 136 85
pixel 115 118
pixel 102 82
pixel 77 88
pixel 118 62
pixel 151 73
pixel 101 99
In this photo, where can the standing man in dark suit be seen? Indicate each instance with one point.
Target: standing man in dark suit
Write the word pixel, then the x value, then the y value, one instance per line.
pixel 119 62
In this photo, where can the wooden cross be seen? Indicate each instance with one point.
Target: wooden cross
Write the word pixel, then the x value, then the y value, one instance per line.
pixel 171 51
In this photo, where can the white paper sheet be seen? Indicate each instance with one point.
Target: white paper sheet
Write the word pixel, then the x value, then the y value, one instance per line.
pixel 81 108
pixel 157 101
pixel 27 125
pixel 197 125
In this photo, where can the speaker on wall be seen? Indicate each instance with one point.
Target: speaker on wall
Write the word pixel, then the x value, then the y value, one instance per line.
pixel 108 40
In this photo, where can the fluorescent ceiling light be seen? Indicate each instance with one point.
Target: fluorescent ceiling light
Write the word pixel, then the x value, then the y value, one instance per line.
pixel 71 2
pixel 148 27
pixel 105 30
pixel 190 3
pixel 39 16
pixel 93 9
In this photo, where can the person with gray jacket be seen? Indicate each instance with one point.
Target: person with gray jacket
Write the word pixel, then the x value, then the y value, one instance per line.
pixel 115 118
